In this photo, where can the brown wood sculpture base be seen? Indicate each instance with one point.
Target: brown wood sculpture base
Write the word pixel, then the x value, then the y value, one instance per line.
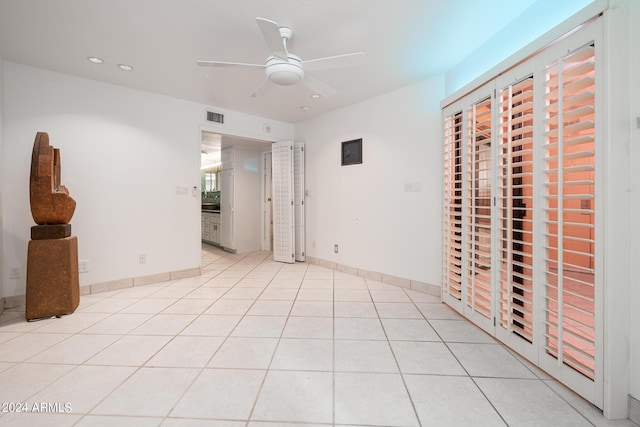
pixel 53 284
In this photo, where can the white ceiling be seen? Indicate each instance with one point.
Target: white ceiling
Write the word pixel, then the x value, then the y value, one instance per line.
pixel 405 41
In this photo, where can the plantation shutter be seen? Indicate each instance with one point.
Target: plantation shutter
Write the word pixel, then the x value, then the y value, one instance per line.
pixel 298 199
pixel 515 202
pixel 479 175
pixel 569 192
pixel 453 176
pixel 283 208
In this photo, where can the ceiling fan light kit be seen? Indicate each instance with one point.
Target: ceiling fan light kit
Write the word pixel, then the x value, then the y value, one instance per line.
pixel 284 73
pixel 286 69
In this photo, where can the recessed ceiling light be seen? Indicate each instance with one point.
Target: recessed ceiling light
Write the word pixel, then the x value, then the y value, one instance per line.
pixel 315 95
pixel 305 108
pixel 95 59
pixel 125 67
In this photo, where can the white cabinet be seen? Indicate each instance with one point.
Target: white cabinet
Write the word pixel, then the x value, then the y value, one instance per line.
pixel 211 227
pixel 215 228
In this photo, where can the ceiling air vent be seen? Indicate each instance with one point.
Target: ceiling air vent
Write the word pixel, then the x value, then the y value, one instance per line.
pixel 215 117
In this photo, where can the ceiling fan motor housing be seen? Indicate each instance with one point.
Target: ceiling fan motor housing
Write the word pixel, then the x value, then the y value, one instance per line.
pixel 284 73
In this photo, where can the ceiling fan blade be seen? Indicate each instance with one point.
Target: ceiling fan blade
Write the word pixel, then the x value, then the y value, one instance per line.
pixel 228 64
pixel 338 61
pixel 266 85
pixel 271 33
pixel 317 86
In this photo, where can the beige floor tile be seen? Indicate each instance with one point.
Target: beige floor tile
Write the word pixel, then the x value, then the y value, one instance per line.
pixel 23 380
pixel 312 309
pixel 244 353
pixel 409 330
pixel 252 342
pixel 74 350
pixel 415 357
pixel 373 399
pixel 364 356
pixel 25 346
pixel 119 324
pixel 165 324
pixel 444 401
pixel 304 355
pixel 189 306
pixel 130 350
pixel 270 308
pixel 308 327
pixel 359 329
pixel 299 396
pixel 220 393
pixel 212 325
pixel 148 392
pixel 186 352
pixel 230 306
pixel 84 387
pixel 260 326
pixel 355 309
pixel 118 421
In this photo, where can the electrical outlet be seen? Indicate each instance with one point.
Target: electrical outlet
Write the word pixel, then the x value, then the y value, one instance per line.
pixel 142 259
pixel 335 249
pixel 14 272
pixel 83 266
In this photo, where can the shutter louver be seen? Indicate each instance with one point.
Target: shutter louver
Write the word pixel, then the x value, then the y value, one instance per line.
pixel 453 176
pixel 569 211
pixel 515 201
pixel 478 294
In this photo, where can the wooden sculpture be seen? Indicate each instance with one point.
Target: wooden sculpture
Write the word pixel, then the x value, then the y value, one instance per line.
pixel 50 200
pixel 53 285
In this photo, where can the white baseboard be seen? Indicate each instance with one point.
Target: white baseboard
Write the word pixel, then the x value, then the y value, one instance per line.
pixel 634 409
pixel 113 285
pixel 402 282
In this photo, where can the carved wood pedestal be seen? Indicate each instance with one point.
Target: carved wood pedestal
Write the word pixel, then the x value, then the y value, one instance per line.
pixel 53 284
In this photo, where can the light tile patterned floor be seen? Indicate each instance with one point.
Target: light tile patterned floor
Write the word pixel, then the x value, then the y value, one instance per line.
pixel 256 343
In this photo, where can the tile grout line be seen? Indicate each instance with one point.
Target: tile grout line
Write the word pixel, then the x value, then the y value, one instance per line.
pixel 460 363
pixel 273 355
pixel 142 365
pixel 400 373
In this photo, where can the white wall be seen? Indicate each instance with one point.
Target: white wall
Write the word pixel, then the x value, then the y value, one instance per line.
pixel 634 87
pixel 541 17
pixel 123 154
pixel 247 173
pixel 364 208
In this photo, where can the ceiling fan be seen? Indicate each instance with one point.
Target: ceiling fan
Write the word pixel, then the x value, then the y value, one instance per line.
pixel 283 68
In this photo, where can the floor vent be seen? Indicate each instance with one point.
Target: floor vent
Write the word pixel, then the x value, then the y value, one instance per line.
pixel 215 117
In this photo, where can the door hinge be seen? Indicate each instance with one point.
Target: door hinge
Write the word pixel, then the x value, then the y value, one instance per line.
pixel 494 322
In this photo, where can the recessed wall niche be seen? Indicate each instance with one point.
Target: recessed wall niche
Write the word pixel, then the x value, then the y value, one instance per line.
pixel 352 152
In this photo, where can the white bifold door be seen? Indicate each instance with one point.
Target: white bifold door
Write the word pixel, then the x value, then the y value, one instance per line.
pixel 288 201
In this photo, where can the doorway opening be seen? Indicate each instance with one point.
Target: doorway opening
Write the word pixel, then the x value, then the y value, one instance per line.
pixel 235 192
